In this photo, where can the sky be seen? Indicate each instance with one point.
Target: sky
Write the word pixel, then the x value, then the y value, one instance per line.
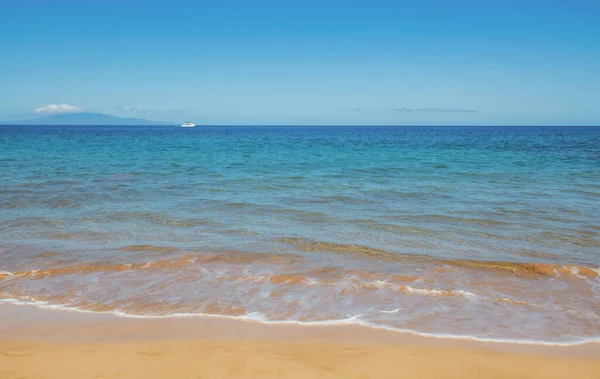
pixel 284 62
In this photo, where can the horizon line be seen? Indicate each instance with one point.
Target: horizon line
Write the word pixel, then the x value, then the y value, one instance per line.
pixel 167 124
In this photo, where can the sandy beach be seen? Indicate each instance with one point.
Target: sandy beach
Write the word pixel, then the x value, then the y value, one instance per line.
pixel 38 343
pixel 300 189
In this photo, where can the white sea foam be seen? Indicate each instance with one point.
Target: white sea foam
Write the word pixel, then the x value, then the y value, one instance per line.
pixel 426 291
pixel 392 311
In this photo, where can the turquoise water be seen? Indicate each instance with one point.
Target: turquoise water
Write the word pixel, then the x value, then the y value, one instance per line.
pixel 488 233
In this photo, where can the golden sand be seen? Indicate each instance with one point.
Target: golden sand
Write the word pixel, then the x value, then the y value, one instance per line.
pixel 54 344
pixel 259 359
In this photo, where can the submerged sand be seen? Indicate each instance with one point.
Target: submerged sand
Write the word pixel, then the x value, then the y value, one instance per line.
pixel 55 344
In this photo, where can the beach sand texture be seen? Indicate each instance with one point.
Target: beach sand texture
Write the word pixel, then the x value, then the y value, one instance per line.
pixel 260 359
pixel 49 344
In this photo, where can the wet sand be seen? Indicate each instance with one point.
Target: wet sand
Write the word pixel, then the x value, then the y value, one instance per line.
pixel 38 343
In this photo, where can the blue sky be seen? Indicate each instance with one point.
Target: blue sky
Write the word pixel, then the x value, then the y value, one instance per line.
pixel 450 62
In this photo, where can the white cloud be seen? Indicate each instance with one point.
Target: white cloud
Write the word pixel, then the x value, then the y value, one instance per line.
pixel 128 108
pixel 58 108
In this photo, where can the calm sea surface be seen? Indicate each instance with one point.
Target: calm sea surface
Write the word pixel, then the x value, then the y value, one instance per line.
pixel 489 233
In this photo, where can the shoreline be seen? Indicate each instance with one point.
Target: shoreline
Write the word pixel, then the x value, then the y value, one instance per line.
pixel 52 324
pixel 44 343
pixel 350 322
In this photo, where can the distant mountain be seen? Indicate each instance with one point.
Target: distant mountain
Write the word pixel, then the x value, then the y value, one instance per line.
pixel 86 119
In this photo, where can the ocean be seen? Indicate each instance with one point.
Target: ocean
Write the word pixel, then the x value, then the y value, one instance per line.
pixel 489 233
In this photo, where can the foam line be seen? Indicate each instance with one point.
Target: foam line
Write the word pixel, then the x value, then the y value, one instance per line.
pixel 256 317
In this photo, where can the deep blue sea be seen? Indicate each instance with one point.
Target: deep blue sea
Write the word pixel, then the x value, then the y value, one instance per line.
pixel 480 232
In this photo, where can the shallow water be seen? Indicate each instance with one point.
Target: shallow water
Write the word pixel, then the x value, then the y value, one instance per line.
pixel 491 233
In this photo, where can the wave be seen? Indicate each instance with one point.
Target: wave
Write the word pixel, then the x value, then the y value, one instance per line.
pixel 516 268
pixel 527 269
pixel 227 284
pixel 346 283
pixel 542 269
pixel 178 262
pixel 260 318
pixel 83 268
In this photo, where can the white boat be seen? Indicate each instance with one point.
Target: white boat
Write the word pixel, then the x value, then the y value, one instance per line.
pixel 188 125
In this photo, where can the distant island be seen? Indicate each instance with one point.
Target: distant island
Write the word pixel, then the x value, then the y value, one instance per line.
pixel 86 119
